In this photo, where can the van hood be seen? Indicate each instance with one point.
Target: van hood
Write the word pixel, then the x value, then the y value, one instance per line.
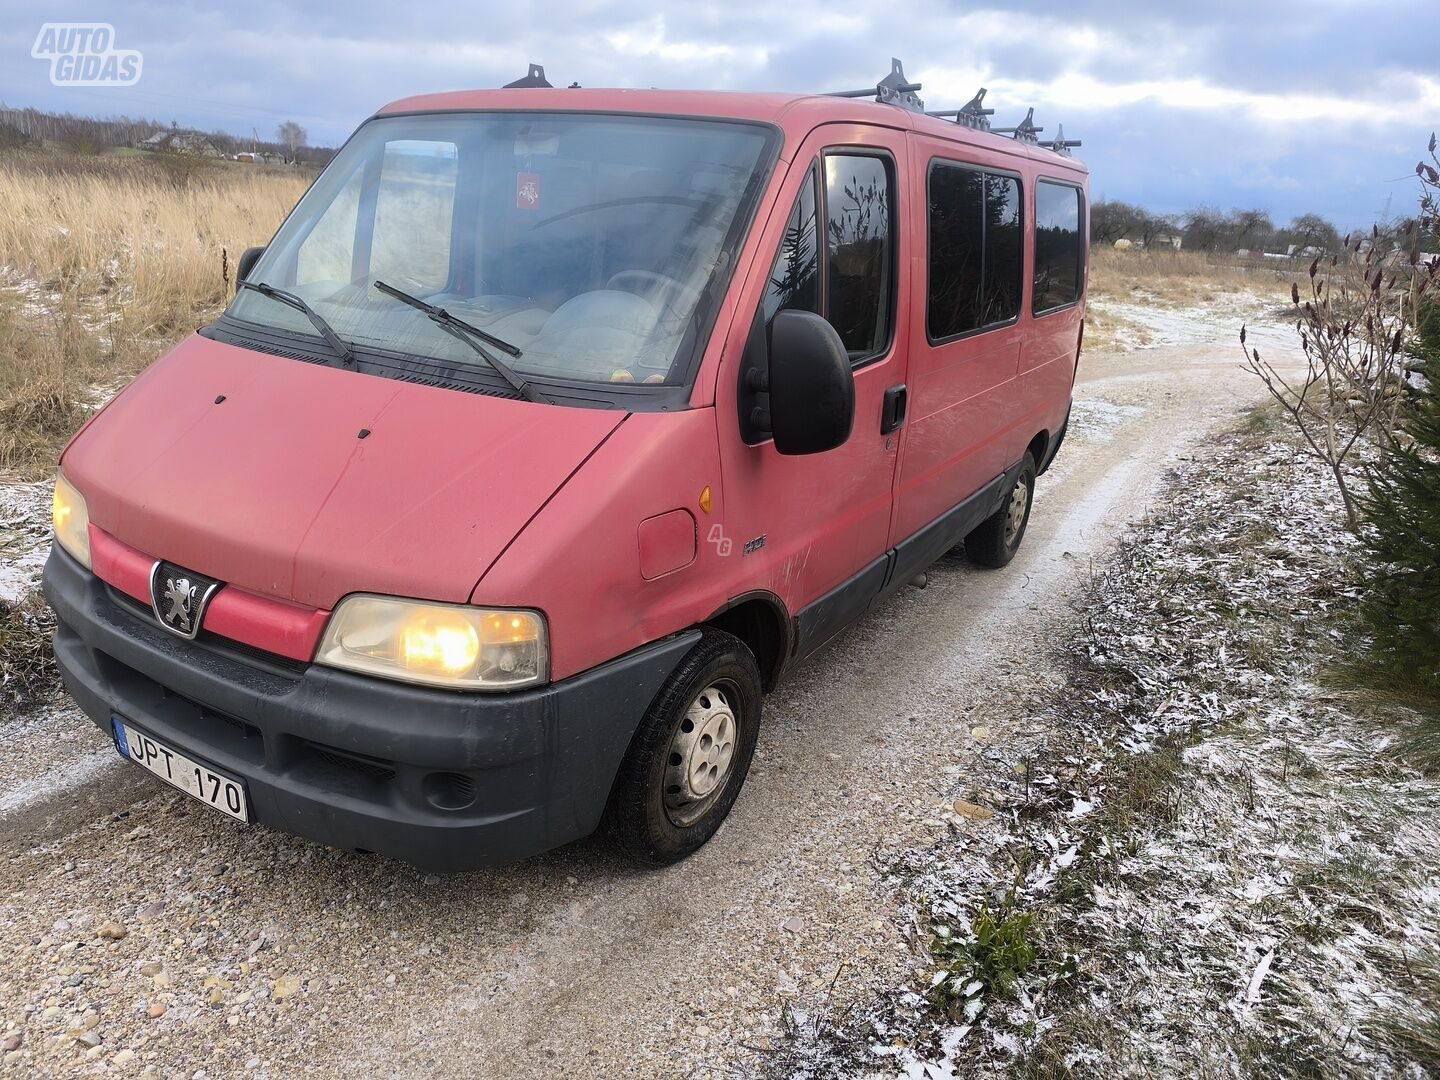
pixel 307 483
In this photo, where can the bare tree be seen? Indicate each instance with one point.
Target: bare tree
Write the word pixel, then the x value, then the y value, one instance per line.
pixel 1111 221
pixel 1151 225
pixel 1312 230
pixel 1206 229
pixel 291 136
pixel 1252 228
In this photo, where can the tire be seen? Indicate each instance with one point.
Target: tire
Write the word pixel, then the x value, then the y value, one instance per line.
pixel 660 809
pixel 995 540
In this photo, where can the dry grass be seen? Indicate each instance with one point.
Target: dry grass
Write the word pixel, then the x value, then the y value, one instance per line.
pixel 1120 281
pixel 1183 278
pixel 27 665
pixel 104 263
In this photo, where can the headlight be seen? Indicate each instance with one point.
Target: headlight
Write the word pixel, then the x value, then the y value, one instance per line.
pixel 452 645
pixel 71 520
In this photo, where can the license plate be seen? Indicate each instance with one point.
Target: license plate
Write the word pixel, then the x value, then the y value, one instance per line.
pixel 196 779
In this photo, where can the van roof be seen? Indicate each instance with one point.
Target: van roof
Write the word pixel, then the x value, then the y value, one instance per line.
pixel 794 113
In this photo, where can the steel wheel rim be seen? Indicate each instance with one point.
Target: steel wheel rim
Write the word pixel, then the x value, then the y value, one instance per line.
pixel 1015 514
pixel 701 755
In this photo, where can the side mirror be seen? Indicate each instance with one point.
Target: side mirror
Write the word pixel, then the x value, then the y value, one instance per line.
pixel 247 262
pixel 811 385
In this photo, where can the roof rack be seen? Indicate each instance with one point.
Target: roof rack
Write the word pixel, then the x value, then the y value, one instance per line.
pixel 1060 144
pixel 535 77
pixel 894 89
pixel 1025 131
pixel 972 115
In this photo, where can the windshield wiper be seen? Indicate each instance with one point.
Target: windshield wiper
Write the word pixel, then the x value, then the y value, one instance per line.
pixel 472 336
pixel 289 299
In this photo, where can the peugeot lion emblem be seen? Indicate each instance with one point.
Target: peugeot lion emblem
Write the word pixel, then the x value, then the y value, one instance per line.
pixel 179 602
pixel 179 598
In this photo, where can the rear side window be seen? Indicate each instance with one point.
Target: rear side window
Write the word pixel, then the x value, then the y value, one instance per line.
pixel 859 252
pixel 975 250
pixel 1059 251
pixel 1004 271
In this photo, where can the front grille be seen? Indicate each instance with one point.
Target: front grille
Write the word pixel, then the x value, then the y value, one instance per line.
pixel 356 763
pixel 214 643
pixel 250 731
pixel 249 653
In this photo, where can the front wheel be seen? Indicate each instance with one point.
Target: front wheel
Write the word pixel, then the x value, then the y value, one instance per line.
pixel 690 754
pixel 995 540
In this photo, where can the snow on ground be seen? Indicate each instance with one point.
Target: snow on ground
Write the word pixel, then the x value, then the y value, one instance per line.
pixel 1147 322
pixel 24 536
pixel 1098 419
pixel 1228 871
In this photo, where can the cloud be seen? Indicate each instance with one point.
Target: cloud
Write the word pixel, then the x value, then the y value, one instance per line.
pixel 1289 104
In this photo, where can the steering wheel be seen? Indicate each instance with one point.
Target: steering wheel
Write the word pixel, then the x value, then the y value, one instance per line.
pixel 664 292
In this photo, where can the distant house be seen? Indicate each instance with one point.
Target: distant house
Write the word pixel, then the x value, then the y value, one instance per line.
pixel 180 141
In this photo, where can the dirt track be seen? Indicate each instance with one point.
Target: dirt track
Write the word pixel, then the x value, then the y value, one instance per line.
pixel 569 965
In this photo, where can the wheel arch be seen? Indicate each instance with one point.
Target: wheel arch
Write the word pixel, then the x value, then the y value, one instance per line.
pixel 760 620
pixel 1039 447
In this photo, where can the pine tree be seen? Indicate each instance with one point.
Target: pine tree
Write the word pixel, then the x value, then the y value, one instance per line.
pixel 1402 603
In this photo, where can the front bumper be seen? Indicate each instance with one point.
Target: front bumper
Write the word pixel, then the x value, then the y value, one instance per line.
pixel 360 763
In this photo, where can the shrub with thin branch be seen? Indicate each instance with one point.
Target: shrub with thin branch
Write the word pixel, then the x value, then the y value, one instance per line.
pixel 1353 327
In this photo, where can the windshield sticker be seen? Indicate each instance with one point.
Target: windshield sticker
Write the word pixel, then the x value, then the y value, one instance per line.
pixel 527 191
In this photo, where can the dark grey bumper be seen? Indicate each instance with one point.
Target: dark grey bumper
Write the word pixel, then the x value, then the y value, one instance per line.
pixel 361 763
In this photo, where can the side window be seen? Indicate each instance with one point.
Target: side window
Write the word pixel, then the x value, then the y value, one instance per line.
pixel 975 250
pixel 413 212
pixel 1059 254
pixel 857 262
pixel 1004 272
pixel 957 238
pixel 859 207
pixel 795 277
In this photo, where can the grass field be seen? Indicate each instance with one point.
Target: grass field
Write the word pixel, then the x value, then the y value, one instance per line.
pixel 104 263
pixel 1174 281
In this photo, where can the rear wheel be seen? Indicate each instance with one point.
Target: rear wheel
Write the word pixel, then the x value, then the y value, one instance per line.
pixel 997 538
pixel 690 755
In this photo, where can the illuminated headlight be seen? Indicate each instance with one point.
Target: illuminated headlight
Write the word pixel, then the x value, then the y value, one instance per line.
pixel 451 645
pixel 71 520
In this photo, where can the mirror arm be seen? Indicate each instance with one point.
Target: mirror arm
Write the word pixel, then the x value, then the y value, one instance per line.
pixel 754 388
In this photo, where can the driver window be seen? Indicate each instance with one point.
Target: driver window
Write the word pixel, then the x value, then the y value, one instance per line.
pixel 859 253
pixel 856 260
pixel 795 277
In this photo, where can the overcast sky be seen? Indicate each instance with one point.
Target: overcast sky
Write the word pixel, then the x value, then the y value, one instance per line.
pixel 1319 105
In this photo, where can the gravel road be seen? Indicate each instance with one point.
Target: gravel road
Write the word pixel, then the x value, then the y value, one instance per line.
pixel 142 931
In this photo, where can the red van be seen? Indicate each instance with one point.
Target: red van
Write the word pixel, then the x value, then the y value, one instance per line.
pixel 550 430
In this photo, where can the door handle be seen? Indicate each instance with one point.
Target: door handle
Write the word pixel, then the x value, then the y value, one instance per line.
pixel 893 414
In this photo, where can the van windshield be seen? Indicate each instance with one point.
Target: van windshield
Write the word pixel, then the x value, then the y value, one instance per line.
pixel 594 244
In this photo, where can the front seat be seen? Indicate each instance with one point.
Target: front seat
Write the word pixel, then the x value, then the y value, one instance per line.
pixel 595 334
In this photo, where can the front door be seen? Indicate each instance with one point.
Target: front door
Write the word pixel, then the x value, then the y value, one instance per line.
pixel 818 526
